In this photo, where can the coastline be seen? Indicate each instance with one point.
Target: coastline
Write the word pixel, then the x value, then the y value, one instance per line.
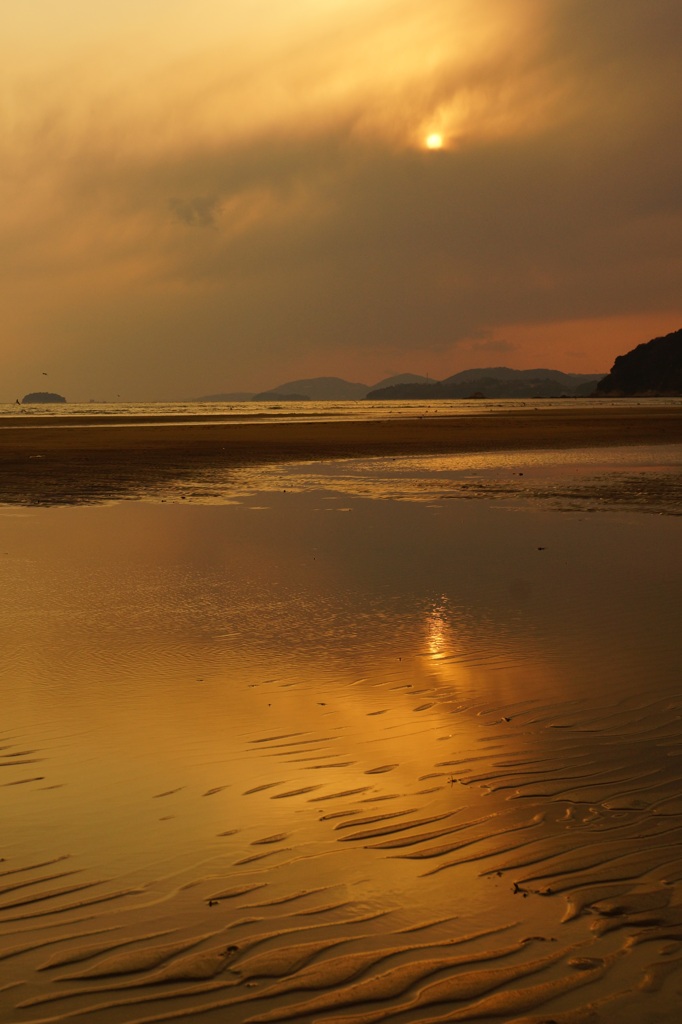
pixel 62 461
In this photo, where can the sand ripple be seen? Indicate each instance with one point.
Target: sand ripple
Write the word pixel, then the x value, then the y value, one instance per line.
pixel 353 901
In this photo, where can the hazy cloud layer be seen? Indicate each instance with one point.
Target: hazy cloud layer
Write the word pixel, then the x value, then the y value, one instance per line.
pixel 223 196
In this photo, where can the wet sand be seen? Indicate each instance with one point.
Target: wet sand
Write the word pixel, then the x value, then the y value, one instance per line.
pixel 316 758
pixel 70 459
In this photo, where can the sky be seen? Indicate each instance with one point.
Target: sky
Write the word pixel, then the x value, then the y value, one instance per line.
pixel 230 194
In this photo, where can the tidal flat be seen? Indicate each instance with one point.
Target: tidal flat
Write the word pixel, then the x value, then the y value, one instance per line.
pixel 374 739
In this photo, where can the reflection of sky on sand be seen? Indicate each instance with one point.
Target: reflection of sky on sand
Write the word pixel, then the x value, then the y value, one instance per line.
pixel 642 478
pixel 136 629
pixel 197 694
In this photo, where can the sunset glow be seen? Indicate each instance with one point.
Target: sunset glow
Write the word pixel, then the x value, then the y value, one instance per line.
pixel 434 141
pixel 239 204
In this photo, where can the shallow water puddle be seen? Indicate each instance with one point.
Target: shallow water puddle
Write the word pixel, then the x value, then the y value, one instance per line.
pixel 415 762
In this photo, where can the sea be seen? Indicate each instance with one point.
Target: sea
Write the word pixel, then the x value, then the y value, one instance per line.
pixel 287 411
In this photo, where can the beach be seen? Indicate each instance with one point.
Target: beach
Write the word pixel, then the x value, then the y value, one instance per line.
pixel 79 459
pixel 342 722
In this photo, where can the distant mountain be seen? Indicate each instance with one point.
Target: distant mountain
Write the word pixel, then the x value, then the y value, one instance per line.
pixel 400 378
pixel 491 382
pixel 318 389
pixel 41 396
pixel 506 373
pixel 496 382
pixel 332 389
pixel 279 396
pixel 230 396
pixel 653 368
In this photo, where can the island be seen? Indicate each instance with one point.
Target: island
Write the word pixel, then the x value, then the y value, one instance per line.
pixel 34 397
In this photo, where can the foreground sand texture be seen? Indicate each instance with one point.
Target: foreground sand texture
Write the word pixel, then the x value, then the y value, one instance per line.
pixel 316 757
pixel 65 460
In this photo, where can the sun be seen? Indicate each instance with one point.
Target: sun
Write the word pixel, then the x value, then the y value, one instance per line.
pixel 434 141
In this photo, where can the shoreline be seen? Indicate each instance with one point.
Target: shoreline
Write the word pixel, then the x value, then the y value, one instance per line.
pixel 65 462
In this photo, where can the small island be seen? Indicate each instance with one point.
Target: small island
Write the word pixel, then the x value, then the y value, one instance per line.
pixel 34 397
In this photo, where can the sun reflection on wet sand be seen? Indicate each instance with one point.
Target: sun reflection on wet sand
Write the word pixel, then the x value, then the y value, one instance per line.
pixel 437 629
pixel 273 738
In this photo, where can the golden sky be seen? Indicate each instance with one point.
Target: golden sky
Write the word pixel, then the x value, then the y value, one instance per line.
pixel 224 196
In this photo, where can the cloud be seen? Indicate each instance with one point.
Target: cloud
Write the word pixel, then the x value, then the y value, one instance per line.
pixel 200 211
pixel 332 230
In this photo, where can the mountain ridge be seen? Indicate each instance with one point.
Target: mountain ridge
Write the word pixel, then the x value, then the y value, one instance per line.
pixel 497 382
pixel 492 382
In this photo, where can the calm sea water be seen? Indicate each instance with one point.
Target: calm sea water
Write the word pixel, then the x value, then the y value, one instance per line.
pixel 316 410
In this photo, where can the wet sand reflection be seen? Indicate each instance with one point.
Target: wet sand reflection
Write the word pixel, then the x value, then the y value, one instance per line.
pixel 406 763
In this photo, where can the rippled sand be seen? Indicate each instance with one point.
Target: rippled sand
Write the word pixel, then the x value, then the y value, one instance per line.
pixel 316 756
